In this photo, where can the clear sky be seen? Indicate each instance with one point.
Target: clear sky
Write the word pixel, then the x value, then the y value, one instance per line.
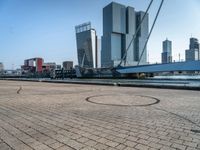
pixel 45 28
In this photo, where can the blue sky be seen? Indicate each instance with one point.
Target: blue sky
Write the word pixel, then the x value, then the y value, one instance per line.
pixel 45 28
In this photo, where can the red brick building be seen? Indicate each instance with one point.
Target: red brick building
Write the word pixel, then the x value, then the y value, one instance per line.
pixel 33 65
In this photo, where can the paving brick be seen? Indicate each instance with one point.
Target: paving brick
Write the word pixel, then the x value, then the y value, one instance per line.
pixel 141 147
pixel 56 145
pixel 129 148
pixel 112 144
pixel 103 140
pixel 167 148
pixel 166 143
pixel 56 116
pixel 142 141
pixel 88 148
pixel 155 145
pixel 4 146
pixel 190 144
pixel 121 147
pixel 83 140
pixel 75 144
pixel 65 147
pixel 91 143
pixel 130 143
pixel 189 139
pixel 178 146
pixel 100 146
pixel 41 147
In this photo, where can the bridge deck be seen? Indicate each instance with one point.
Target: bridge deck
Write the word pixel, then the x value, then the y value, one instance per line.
pixel 178 66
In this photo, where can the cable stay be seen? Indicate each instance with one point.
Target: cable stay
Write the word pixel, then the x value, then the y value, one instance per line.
pixel 134 36
pixel 152 27
pixel 138 29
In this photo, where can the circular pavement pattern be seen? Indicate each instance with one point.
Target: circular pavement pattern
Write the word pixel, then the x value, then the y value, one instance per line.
pixel 123 100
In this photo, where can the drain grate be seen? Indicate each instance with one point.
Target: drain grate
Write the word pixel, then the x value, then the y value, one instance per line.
pixel 195 131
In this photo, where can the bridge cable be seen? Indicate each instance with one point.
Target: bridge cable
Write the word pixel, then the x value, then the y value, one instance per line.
pixel 157 14
pixel 134 36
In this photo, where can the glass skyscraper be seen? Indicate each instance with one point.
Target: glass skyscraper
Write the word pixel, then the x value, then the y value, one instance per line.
pixel 86 41
pixel 141 37
pixel 167 51
pixel 193 53
pixel 119 26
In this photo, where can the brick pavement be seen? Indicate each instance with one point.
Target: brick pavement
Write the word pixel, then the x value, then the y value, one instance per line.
pixel 47 116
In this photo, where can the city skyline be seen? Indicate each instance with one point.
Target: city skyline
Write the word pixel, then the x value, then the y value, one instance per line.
pixel 49 31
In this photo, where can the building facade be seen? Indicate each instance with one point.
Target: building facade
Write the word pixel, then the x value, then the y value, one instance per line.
pixel 119 27
pixel 49 66
pixel 86 41
pixel 193 53
pixel 141 37
pixel 194 43
pixel 67 65
pixel 167 51
pixel 33 65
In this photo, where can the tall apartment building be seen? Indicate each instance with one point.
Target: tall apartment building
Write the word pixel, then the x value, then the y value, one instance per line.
pixel 86 41
pixel 119 26
pixel 193 53
pixel 167 51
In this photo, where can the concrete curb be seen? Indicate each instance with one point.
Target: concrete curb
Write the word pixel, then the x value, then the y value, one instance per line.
pixel 103 83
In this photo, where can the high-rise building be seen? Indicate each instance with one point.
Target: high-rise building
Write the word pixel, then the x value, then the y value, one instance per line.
pixel 141 37
pixel 193 53
pixel 1 66
pixel 119 26
pixel 194 43
pixel 167 51
pixel 86 41
pixel 67 65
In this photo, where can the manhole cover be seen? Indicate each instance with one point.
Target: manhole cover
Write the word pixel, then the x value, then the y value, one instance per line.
pixel 123 100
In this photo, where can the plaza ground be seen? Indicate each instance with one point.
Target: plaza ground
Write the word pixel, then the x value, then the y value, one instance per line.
pixel 43 116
